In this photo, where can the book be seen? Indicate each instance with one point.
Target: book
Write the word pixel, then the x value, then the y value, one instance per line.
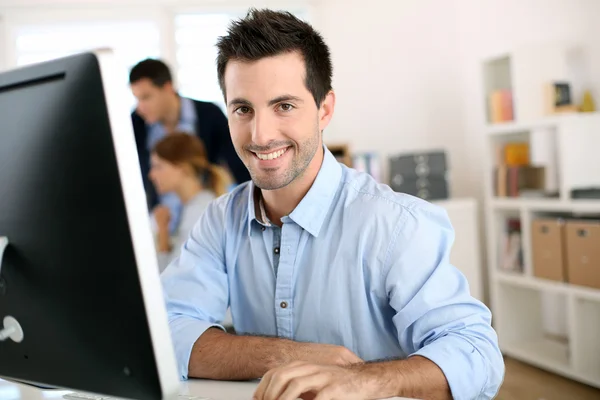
pixel 513 181
pixel 511 255
pixel 501 106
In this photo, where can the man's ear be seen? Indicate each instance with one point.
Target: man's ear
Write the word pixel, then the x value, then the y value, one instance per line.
pixel 326 110
pixel 168 86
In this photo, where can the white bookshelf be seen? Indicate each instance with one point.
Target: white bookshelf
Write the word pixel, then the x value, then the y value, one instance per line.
pixel 527 309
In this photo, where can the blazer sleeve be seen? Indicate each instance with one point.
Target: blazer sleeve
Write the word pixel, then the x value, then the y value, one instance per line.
pixel 139 131
pixel 226 151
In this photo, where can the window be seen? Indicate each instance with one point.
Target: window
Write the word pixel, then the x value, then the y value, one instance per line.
pixel 131 41
pixel 195 37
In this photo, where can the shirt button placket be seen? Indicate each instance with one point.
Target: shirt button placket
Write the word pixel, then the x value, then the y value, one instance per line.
pixel 289 235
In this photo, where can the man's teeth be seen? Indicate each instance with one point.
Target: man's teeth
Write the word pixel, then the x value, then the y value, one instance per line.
pixel 271 156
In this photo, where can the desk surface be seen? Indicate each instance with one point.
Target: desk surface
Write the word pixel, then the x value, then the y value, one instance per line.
pixel 213 389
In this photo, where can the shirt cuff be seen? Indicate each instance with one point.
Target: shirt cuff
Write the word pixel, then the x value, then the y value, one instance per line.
pixel 185 332
pixel 461 363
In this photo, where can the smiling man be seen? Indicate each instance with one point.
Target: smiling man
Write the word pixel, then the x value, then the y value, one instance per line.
pixel 339 287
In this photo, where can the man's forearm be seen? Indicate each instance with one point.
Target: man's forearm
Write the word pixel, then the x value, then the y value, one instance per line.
pixel 219 355
pixel 416 377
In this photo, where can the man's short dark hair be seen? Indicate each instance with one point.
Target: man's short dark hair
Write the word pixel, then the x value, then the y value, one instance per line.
pixel 157 71
pixel 267 33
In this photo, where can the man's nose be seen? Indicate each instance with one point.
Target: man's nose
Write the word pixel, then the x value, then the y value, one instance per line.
pixel 263 129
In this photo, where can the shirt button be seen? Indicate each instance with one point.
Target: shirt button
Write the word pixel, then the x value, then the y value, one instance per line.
pixel 262 228
pixel 276 250
pixel 283 304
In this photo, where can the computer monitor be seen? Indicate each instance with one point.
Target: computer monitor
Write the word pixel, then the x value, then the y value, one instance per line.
pixel 79 275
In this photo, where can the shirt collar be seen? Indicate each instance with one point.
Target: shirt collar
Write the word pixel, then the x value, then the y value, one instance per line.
pixel 311 211
pixel 187 117
pixel 188 112
pixel 256 209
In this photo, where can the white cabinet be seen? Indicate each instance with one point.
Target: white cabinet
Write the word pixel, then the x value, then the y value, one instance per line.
pixel 466 252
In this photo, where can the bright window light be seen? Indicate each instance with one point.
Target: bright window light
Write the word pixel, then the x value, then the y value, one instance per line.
pixel 131 41
pixel 195 38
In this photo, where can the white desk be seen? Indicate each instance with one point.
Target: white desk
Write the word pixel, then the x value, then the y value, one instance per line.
pixel 213 389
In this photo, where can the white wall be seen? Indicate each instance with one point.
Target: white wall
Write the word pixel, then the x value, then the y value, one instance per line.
pixel 486 28
pixel 407 72
pixel 396 77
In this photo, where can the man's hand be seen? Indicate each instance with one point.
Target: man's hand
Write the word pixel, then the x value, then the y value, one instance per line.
pixel 162 215
pixel 313 381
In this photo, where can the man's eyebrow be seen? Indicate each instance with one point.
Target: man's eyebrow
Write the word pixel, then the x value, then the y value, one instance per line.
pixel 284 98
pixel 279 99
pixel 239 102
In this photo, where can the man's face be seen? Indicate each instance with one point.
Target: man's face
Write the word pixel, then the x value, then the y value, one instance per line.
pixel 274 122
pixel 152 100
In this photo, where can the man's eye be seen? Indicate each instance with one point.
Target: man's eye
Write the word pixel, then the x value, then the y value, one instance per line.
pixel 243 110
pixel 286 107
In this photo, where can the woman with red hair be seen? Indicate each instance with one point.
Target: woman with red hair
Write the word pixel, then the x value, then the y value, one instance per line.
pixel 179 165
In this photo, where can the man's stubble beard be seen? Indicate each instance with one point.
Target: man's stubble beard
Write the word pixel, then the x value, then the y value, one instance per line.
pixel 300 163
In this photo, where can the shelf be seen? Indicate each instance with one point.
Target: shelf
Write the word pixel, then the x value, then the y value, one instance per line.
pixel 497 75
pixel 586 332
pixel 543 352
pixel 551 121
pixel 516 127
pixel 553 325
pixel 534 283
pixel 550 204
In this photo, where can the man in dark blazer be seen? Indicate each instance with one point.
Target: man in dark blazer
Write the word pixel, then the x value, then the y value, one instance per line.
pixel 161 111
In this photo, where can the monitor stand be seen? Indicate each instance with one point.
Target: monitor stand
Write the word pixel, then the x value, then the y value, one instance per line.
pixel 3 246
pixel 12 329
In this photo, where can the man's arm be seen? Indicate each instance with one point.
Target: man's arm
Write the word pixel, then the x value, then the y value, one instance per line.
pixel 453 350
pixel 436 316
pixel 220 355
pixel 196 290
pixel 415 377
pixel 195 284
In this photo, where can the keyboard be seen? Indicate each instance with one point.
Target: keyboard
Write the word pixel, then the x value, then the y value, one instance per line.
pixel 85 396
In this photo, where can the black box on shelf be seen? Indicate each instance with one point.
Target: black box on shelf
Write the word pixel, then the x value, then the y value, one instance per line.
pixel 424 175
pixel 586 193
pixel 419 165
pixel 431 188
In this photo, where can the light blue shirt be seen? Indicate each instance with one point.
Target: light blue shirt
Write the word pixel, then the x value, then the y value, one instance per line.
pixel 156 131
pixel 359 266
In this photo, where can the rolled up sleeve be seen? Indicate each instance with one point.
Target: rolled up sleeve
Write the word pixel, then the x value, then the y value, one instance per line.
pixel 436 317
pixel 195 285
